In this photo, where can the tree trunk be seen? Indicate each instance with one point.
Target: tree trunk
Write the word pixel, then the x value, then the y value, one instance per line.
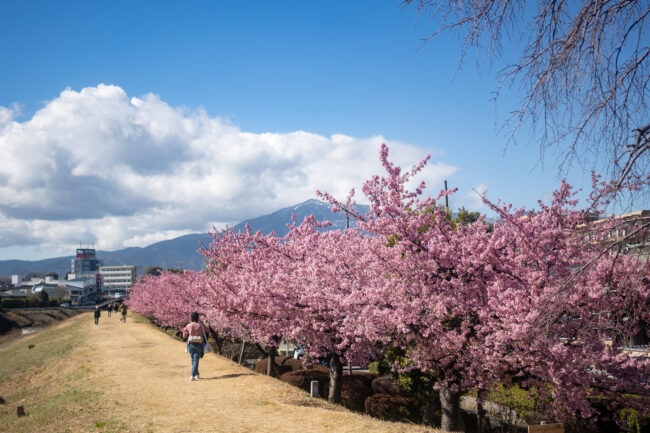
pixel 450 405
pixel 270 369
pixel 432 404
pixel 243 350
pixel 336 377
pixel 480 411
pixel 217 340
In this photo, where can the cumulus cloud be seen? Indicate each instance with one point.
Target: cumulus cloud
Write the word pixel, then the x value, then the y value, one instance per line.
pixel 473 197
pixel 98 166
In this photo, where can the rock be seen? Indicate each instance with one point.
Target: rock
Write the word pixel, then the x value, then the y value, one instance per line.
pixel 20 411
pixel 384 385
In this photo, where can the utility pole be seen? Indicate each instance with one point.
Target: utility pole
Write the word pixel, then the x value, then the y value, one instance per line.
pixel 446 197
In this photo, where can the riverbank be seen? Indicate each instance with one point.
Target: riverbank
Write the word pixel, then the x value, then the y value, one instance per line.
pixel 16 323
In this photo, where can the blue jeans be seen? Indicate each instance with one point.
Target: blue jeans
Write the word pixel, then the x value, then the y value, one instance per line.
pixel 196 351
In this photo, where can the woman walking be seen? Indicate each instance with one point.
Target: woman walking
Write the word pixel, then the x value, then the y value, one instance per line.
pixel 123 311
pixel 195 334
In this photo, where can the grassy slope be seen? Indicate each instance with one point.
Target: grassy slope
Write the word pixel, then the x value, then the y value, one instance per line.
pixel 39 373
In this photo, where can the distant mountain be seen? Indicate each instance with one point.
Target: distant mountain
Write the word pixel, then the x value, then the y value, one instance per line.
pixel 181 252
pixel 278 220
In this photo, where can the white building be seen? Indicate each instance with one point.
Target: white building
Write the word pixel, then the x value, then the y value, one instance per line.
pixel 79 290
pixel 116 280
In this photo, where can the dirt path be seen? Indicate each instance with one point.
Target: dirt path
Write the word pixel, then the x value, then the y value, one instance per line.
pixel 146 373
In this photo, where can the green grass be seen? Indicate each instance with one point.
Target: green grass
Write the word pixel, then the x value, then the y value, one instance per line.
pixel 49 345
pixel 136 318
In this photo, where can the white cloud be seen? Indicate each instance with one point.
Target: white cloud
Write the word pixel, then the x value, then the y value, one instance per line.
pixel 473 199
pixel 98 166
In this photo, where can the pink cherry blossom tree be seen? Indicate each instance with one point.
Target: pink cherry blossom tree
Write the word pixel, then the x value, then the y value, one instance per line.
pixel 526 300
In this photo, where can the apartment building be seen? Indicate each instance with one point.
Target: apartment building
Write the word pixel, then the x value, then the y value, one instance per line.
pixel 116 280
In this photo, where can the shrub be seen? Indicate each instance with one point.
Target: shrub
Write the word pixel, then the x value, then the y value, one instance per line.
pixel 366 378
pixel 394 408
pixel 283 364
pixel 13 303
pixel 354 391
pixel 302 379
pixel 384 385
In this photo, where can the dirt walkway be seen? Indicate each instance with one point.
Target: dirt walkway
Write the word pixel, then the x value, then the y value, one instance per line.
pixel 146 373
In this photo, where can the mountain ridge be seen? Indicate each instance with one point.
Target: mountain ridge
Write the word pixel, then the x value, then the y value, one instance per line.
pixel 182 251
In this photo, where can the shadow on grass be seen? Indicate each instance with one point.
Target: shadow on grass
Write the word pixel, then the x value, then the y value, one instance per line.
pixel 228 376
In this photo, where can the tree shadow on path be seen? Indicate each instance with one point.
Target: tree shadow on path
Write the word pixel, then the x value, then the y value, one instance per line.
pixel 228 376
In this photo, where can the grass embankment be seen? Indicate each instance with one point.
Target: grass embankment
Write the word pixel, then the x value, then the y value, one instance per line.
pixel 11 322
pixel 130 377
pixel 47 373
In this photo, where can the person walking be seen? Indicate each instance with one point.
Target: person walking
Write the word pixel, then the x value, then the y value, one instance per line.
pixel 123 311
pixel 109 308
pixel 97 312
pixel 115 307
pixel 195 334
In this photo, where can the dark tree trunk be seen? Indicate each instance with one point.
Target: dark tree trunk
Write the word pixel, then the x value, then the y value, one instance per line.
pixel 243 350
pixel 217 340
pixel 432 404
pixel 270 369
pixel 336 377
pixel 261 349
pixel 450 405
pixel 480 411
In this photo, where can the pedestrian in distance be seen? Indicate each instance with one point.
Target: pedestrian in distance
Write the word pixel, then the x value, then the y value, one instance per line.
pixel 195 334
pixel 97 313
pixel 115 307
pixel 123 311
pixel 109 308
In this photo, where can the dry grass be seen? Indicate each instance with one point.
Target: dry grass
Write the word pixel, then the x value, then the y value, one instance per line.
pixel 130 377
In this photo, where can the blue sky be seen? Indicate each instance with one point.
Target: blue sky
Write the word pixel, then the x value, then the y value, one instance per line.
pixel 274 100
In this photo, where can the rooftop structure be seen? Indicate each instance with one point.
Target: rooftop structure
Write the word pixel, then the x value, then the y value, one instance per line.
pixel 85 265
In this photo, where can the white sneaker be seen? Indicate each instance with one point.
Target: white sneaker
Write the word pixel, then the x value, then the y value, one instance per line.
pixel 191 378
pixel 196 377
